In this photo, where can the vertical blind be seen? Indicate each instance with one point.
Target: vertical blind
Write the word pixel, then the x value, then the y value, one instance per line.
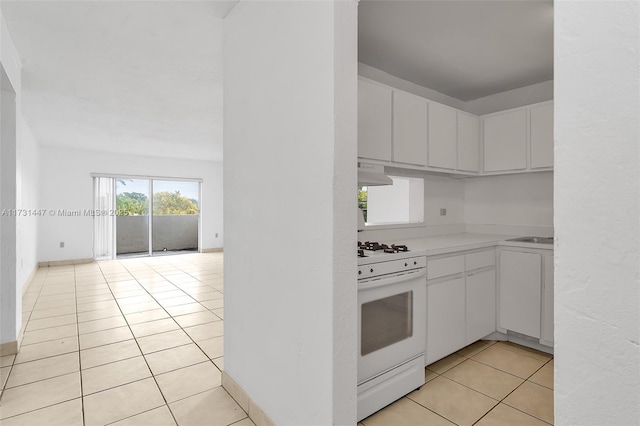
pixel 104 224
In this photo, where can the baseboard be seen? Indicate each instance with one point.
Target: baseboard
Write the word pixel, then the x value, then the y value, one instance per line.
pixel 529 342
pixel 256 414
pixel 27 283
pixel 9 348
pixel 65 262
pixel 212 250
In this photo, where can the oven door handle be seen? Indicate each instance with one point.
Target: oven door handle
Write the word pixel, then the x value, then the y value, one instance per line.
pixel 392 279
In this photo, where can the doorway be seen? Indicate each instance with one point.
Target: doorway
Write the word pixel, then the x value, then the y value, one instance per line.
pixel 147 216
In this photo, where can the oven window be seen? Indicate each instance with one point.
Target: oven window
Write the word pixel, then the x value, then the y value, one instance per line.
pixel 386 321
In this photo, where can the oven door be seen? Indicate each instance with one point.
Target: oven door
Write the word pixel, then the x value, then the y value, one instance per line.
pixel 391 321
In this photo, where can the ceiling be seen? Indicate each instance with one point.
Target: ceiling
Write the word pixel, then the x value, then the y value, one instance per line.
pixel 463 49
pixel 145 77
pixel 129 77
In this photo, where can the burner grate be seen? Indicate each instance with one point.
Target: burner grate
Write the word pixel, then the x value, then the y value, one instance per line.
pixel 376 246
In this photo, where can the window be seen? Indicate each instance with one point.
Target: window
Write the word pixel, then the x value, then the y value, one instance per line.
pixel 402 202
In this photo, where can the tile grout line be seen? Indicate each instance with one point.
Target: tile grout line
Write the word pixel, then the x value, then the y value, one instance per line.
pixel 180 326
pixel 78 334
pixel 170 316
pixel 517 387
pixel 187 334
pixel 504 370
pixel 166 403
pixel 75 285
pixel 497 369
pixel 13 364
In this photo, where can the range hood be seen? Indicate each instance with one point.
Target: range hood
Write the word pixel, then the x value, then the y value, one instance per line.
pixel 372 175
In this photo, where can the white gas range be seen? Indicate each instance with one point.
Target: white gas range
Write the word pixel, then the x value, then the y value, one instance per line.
pixel 392 288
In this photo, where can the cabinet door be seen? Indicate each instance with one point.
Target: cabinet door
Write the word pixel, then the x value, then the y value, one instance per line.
pixel 481 305
pixel 542 136
pixel 520 278
pixel 468 143
pixel 446 326
pixel 374 121
pixel 505 141
pixel 547 305
pixel 443 148
pixel 409 129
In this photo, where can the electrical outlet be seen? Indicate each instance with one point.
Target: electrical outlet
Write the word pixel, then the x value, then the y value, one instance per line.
pixel 61 244
pixel 443 212
pixel 216 235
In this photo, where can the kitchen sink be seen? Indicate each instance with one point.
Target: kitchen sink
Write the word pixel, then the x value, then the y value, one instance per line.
pixel 538 240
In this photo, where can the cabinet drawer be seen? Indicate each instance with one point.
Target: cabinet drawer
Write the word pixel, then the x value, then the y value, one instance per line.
pixel 445 266
pixel 481 259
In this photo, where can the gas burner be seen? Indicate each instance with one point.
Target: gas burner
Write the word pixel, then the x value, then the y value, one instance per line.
pixel 361 253
pixel 373 246
pixel 376 246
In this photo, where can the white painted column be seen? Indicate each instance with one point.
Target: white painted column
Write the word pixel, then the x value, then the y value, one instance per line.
pixel 597 212
pixel 290 111
pixel 10 295
pixel 10 325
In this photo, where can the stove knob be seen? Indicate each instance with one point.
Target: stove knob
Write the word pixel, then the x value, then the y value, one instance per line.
pixel 371 270
pixel 415 263
pixel 406 264
pixel 359 272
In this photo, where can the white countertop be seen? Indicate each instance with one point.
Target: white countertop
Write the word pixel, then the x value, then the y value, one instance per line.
pixel 449 243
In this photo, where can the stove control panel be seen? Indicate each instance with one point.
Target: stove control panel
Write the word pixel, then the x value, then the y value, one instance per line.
pixel 391 267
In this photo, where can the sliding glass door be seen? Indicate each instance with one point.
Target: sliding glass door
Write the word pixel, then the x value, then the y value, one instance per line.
pixel 154 216
pixel 132 220
pixel 176 213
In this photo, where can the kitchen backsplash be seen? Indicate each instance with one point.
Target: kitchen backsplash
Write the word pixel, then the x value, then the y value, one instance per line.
pixel 509 205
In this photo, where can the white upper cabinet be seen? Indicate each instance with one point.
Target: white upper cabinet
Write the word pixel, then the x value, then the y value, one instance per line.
pixel 374 121
pixel 468 143
pixel 443 148
pixel 409 129
pixel 542 136
pixel 505 141
pixel 412 132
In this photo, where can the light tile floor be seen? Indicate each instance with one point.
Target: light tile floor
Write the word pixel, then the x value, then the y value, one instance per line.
pixel 128 342
pixel 140 342
pixel 485 384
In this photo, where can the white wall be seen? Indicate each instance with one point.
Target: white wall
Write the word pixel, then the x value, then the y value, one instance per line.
pixel 521 96
pixel 444 193
pixel 66 183
pixel 27 199
pixel 376 74
pixel 519 204
pixel 440 192
pixel 290 110
pixel 515 98
pixel 597 212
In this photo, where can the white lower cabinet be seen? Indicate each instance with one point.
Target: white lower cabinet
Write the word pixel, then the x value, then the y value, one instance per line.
pixel 525 291
pixel 461 301
pixel 446 324
pixel 481 305
pixel 520 287
pixel 547 301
